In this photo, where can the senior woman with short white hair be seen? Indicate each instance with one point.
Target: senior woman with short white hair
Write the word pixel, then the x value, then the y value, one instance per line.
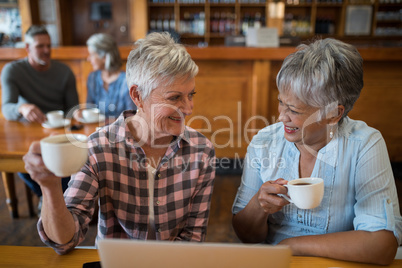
pixel 358 218
pixel 152 174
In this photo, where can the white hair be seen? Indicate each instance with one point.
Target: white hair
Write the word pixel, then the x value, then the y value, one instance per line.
pixel 158 59
pixel 323 74
pixel 105 46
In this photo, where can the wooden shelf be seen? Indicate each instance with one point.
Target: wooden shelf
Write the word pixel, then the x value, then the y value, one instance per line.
pixel 307 14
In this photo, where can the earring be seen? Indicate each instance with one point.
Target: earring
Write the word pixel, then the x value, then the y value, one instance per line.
pixel 331 133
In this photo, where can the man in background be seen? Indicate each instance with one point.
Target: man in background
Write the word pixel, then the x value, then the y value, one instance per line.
pixel 35 85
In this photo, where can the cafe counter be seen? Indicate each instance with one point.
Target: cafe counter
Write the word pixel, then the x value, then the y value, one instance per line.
pixel 237 93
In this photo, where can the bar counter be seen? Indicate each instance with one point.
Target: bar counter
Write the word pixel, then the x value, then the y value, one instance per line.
pixel 237 93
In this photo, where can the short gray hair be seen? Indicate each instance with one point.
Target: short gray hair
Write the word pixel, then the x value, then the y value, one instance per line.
pixel 33 31
pixel 106 47
pixel 158 59
pixel 323 73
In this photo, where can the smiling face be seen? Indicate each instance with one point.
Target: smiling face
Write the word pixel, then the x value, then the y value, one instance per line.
pixel 165 108
pixel 39 51
pixel 301 123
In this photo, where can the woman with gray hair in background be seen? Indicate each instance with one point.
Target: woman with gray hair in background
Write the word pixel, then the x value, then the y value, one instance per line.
pixel 106 86
pixel 359 217
pixel 153 175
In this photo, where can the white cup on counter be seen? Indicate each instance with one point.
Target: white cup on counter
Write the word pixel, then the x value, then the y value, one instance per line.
pixel 55 118
pixel 91 114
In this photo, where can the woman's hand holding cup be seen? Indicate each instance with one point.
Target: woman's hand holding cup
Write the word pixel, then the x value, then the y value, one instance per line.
pixel 268 196
pixel 35 166
pixel 56 156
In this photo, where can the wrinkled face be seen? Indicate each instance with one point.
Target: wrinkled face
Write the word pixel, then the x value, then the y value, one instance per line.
pixel 301 123
pixel 39 50
pixel 97 62
pixel 165 108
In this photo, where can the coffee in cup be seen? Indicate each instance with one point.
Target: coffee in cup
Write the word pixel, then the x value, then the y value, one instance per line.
pixel 55 118
pixel 64 154
pixel 305 193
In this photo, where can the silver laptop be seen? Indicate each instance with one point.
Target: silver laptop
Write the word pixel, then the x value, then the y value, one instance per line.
pixel 134 253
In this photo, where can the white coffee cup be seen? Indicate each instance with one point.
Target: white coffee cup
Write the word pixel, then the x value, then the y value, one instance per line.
pixel 305 193
pixel 55 118
pixel 91 114
pixel 64 154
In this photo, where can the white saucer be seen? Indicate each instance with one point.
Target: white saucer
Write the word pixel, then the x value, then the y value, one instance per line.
pixel 101 118
pixel 65 123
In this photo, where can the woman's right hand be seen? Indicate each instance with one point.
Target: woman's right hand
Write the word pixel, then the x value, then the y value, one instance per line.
pixel 36 168
pixel 268 198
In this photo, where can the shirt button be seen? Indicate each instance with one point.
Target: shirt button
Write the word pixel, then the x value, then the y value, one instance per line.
pixel 159 230
pixel 299 215
pixel 158 202
pixel 389 201
pixel 159 175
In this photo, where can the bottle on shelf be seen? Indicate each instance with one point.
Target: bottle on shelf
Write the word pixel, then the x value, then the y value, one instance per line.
pixel 222 23
pixel 245 24
pixel 201 23
pixel 172 23
pixel 152 23
pixel 159 23
pixel 166 22
pixel 215 23
pixel 257 20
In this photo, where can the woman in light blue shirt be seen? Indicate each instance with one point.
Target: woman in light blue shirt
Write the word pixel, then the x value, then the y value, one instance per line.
pixel 359 217
pixel 106 85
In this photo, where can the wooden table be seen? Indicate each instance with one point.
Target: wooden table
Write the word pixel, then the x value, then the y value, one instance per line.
pixel 18 256
pixel 15 139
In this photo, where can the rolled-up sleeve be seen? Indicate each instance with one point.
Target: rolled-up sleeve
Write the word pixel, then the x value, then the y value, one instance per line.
pixel 377 206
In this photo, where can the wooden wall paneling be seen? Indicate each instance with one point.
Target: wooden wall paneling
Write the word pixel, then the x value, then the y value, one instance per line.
pixel 76 67
pixel 65 22
pixel 380 102
pixel 84 27
pixel 222 104
pixel 80 18
pixel 260 91
pixel 273 92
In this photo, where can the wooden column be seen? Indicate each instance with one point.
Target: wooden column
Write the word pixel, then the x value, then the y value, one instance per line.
pixel 29 12
pixel 138 19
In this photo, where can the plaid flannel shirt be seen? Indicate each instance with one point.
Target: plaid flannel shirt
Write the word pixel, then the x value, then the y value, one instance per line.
pixel 116 174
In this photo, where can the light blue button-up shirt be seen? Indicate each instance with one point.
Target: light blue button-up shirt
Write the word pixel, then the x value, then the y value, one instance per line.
pixel 111 102
pixel 359 192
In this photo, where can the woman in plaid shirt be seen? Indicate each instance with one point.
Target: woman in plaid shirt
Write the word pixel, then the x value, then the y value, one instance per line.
pixel 153 175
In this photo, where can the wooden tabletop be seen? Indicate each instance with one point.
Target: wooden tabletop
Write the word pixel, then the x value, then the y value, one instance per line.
pixel 19 256
pixel 16 137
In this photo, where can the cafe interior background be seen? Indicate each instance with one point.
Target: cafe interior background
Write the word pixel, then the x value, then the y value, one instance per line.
pixel 238 80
